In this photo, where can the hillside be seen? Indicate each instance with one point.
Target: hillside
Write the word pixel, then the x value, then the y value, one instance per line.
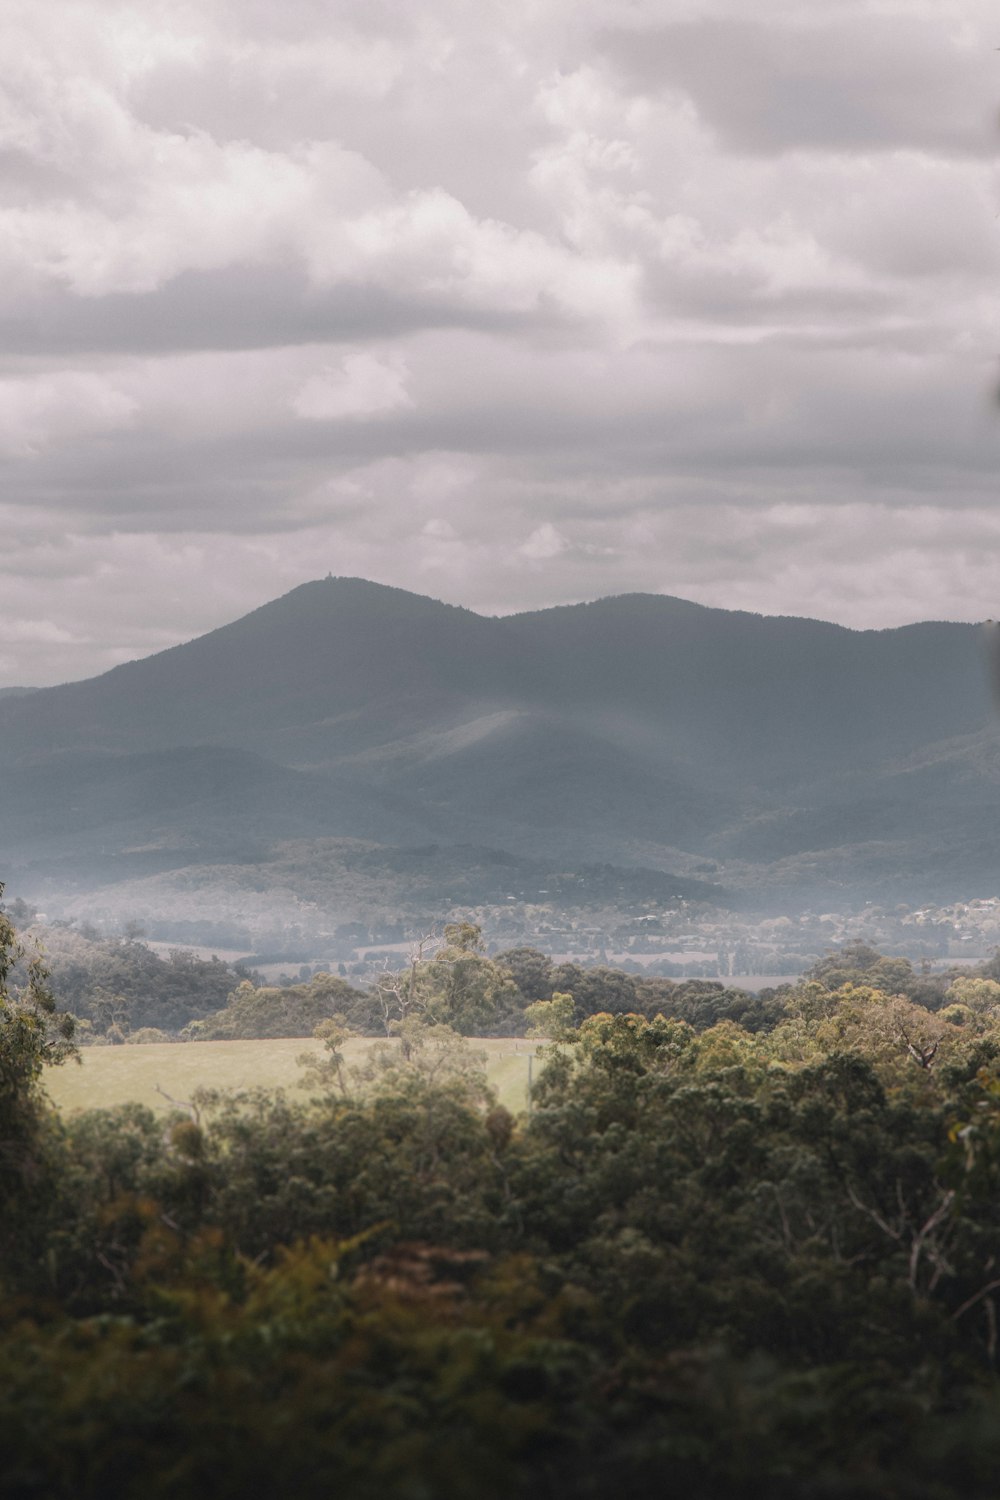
pixel 642 730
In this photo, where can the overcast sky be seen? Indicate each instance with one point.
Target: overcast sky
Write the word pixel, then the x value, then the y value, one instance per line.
pixel 512 303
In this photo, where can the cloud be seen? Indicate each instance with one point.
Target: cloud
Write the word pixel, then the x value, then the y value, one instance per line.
pixel 65 405
pixel 544 543
pixel 822 81
pixel 39 633
pixel 520 304
pixel 362 385
pixel 192 204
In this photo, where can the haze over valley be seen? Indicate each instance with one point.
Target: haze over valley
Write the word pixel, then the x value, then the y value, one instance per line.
pixel 352 752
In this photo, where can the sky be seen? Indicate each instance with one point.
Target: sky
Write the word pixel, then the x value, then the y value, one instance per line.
pixel 512 304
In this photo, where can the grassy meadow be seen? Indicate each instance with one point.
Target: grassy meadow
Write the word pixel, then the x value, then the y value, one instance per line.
pixel 106 1076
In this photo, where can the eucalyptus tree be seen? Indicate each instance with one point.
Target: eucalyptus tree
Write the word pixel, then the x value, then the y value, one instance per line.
pixel 33 1034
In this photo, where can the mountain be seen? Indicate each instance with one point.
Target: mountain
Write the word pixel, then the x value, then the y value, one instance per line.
pixel 797 755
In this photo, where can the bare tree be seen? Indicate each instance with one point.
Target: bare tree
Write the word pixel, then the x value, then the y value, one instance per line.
pixel 398 991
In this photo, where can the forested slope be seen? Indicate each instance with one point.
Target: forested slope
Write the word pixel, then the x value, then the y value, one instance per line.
pixel 639 729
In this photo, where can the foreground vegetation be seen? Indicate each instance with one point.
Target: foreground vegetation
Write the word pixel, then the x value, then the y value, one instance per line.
pixel 710 1261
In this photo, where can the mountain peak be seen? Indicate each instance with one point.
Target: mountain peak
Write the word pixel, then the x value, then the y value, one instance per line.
pixel 633 721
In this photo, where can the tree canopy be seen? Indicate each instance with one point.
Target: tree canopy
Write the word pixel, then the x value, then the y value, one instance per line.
pixel 709 1258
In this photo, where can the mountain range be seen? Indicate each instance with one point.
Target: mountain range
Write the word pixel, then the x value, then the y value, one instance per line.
pixel 790 759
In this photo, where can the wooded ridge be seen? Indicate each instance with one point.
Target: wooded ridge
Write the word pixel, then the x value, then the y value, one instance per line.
pixel 797 755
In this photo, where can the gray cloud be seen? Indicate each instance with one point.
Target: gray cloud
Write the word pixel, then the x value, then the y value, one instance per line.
pixel 908 81
pixel 517 306
pixel 236 307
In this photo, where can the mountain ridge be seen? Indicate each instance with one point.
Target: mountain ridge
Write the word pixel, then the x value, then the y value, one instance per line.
pixel 627 728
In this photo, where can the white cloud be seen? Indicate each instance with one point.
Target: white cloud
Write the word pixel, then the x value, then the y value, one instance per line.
pixel 37 633
pixel 66 405
pixel 362 385
pixel 193 204
pixel 545 542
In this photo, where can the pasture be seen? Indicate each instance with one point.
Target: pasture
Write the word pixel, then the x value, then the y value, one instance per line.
pixel 119 1075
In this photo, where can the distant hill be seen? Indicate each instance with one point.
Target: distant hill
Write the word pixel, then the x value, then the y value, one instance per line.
pixel 799 756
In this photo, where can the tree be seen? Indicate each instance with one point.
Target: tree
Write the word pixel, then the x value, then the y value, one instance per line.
pixel 111 1014
pixel 295 1010
pixel 596 991
pixel 401 994
pixel 980 995
pixel 473 994
pixel 530 970
pixel 859 964
pixel 456 985
pixel 331 1069
pixel 32 1035
pixel 551 1020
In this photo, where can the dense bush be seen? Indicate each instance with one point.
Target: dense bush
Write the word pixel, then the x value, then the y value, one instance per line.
pixel 295 1010
pixel 710 1261
pixel 124 982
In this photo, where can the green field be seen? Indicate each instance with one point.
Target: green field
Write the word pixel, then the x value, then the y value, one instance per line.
pixel 119 1075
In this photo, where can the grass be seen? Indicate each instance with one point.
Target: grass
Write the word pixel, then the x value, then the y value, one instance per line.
pixel 119 1075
